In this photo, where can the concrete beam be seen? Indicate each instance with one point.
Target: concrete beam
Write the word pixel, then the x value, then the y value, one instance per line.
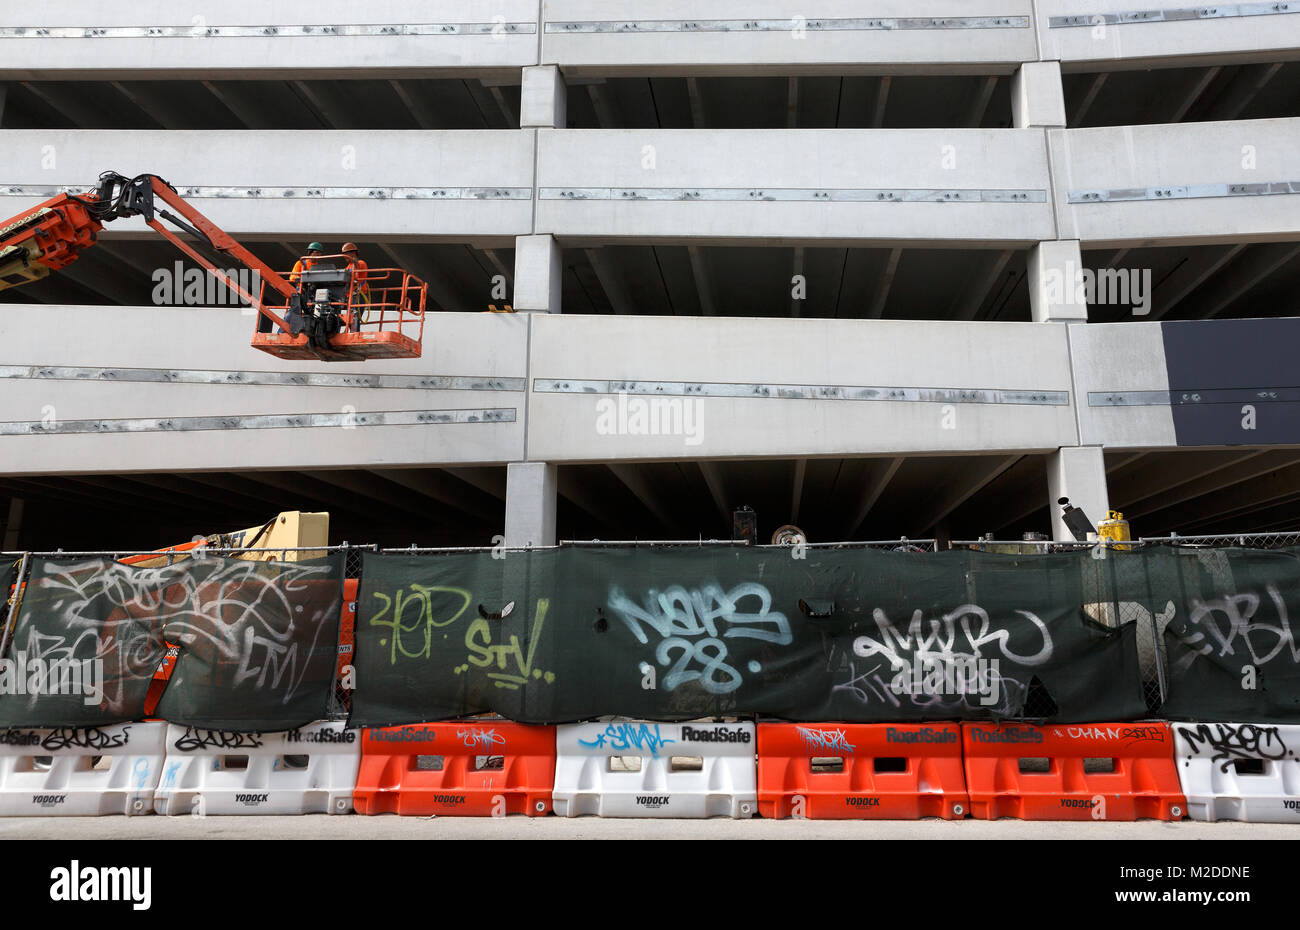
pixel 314 100
pixel 882 102
pixel 428 484
pixel 1281 485
pixel 796 489
pixel 14 520
pixel 441 290
pixel 255 491
pixel 871 492
pixel 780 40
pixel 699 116
pixel 880 296
pixel 577 492
pixel 421 111
pixel 980 103
pixel 1082 108
pixel 810 187
pixel 611 281
pixel 970 299
pixel 244 106
pixel 1188 279
pixel 717 490
pixel 1247 85
pixel 1248 271
pixel 1254 466
pixel 703 280
pixel 973 478
pixel 364 488
pixel 154 104
pixel 491 482
pixel 1172 472
pixel 602 102
pixel 66 103
pixel 636 482
pixel 1198 85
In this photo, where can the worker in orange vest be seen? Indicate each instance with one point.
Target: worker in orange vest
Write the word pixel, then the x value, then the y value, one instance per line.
pixel 358 289
pixel 305 263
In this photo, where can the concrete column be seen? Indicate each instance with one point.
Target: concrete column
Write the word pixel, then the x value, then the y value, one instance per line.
pixel 1079 473
pixel 1038 96
pixel 531 490
pixel 1056 294
pixel 538 274
pixel 543 99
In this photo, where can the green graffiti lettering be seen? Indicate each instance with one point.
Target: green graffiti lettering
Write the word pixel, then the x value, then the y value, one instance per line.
pixel 478 641
pixel 419 600
pixel 481 655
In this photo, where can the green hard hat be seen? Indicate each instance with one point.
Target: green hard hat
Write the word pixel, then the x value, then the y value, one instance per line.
pixel 315 247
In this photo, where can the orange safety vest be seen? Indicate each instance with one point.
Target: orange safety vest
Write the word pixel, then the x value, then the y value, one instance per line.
pixel 358 284
pixel 306 263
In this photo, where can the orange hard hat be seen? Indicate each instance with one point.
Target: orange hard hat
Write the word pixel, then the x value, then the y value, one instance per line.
pixel 349 247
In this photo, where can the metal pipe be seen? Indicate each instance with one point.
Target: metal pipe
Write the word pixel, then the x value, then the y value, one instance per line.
pixel 13 606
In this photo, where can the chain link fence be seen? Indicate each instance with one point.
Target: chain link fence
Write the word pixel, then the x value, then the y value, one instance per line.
pixel 340 700
pixel 1228 541
pixel 1103 579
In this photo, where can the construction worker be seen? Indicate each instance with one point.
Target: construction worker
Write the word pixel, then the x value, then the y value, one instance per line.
pixel 358 289
pixel 305 264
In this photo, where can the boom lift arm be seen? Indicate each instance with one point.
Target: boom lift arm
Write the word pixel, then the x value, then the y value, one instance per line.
pixel 328 326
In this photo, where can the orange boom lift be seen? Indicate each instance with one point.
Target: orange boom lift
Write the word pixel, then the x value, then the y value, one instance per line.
pixel 324 315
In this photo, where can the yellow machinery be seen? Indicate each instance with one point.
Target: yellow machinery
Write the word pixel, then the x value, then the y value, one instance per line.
pixel 1115 529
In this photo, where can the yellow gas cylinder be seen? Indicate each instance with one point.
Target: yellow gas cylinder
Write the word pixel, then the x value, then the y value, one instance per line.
pixel 1114 528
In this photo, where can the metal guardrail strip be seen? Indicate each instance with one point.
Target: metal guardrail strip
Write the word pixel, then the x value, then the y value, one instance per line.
pixel 259 378
pixel 1175 15
pixel 201 30
pixel 802 392
pixel 794 195
pixel 263 421
pixel 1193 398
pixel 303 193
pixel 792 24
pixel 1185 192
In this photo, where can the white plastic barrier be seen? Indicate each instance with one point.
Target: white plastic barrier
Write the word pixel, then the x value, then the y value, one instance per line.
pixel 636 769
pixel 1239 771
pixel 81 772
pixel 312 770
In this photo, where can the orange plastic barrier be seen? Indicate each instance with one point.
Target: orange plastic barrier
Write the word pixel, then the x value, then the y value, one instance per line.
pixel 347 624
pixel 466 768
pixel 1095 771
pixel 869 771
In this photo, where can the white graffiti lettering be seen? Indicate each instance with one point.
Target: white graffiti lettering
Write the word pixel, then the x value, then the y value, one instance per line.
pixel 1228 624
pixel 961 639
pixel 677 615
pixel 240 614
